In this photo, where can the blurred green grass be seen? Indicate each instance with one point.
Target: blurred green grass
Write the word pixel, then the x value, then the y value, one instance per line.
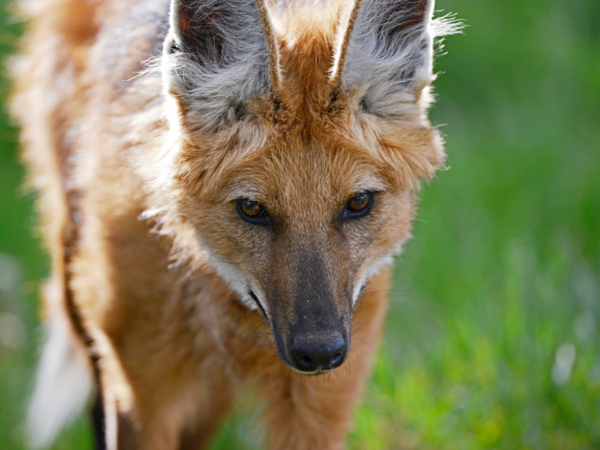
pixel 492 340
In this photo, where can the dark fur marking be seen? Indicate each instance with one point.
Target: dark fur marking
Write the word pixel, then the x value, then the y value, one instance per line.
pixel 98 422
pixel 364 105
pixel 240 110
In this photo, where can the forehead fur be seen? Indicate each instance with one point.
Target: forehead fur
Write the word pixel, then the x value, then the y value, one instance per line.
pixel 341 153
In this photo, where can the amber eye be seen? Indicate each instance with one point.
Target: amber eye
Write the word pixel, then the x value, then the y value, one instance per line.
pixel 359 202
pixel 251 208
pixel 253 212
pixel 358 206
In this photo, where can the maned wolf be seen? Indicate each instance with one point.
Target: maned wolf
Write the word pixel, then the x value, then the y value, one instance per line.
pixel 222 186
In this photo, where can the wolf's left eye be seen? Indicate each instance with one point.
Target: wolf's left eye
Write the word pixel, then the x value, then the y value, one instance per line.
pixel 253 212
pixel 358 206
pixel 251 208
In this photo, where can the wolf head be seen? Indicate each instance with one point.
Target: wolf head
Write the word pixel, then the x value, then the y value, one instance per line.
pixel 298 138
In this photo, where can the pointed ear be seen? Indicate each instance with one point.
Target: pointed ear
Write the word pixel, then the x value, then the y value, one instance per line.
pixel 218 55
pixel 386 52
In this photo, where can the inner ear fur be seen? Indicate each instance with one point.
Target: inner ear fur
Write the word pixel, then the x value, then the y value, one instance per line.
pixel 219 54
pixel 385 52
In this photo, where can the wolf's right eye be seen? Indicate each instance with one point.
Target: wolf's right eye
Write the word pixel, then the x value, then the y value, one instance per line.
pixel 253 212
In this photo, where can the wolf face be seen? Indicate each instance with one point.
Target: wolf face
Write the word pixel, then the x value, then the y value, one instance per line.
pixel 295 150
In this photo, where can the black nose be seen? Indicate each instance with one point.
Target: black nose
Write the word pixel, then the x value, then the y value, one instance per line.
pixel 316 352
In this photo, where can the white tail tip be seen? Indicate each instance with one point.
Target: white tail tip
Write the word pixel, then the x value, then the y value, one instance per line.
pixel 63 384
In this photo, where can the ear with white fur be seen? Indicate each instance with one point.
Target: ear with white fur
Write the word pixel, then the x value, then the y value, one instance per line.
pixel 386 52
pixel 218 55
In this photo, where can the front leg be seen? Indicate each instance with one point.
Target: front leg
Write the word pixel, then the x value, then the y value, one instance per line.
pixel 179 417
pixel 315 412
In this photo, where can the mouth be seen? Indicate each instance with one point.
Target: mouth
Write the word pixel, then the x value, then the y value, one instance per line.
pixel 310 373
pixel 317 373
pixel 259 305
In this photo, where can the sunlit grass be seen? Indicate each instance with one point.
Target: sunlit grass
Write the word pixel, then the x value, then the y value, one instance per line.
pixel 489 373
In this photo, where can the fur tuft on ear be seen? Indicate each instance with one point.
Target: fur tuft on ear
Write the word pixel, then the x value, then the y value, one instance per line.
pixel 218 55
pixel 386 54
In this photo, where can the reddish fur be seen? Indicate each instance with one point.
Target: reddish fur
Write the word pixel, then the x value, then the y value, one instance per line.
pixel 175 346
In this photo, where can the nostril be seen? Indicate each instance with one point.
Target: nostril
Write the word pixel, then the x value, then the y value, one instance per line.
pixel 337 358
pixel 305 361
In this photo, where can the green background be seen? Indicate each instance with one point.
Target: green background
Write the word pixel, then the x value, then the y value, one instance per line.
pixel 492 340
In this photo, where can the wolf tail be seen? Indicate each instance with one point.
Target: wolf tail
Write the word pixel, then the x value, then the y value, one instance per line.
pixel 63 383
pixel 44 94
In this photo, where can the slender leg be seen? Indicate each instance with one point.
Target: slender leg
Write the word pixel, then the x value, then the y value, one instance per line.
pixel 161 426
pixel 178 416
pixel 199 436
pixel 126 434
